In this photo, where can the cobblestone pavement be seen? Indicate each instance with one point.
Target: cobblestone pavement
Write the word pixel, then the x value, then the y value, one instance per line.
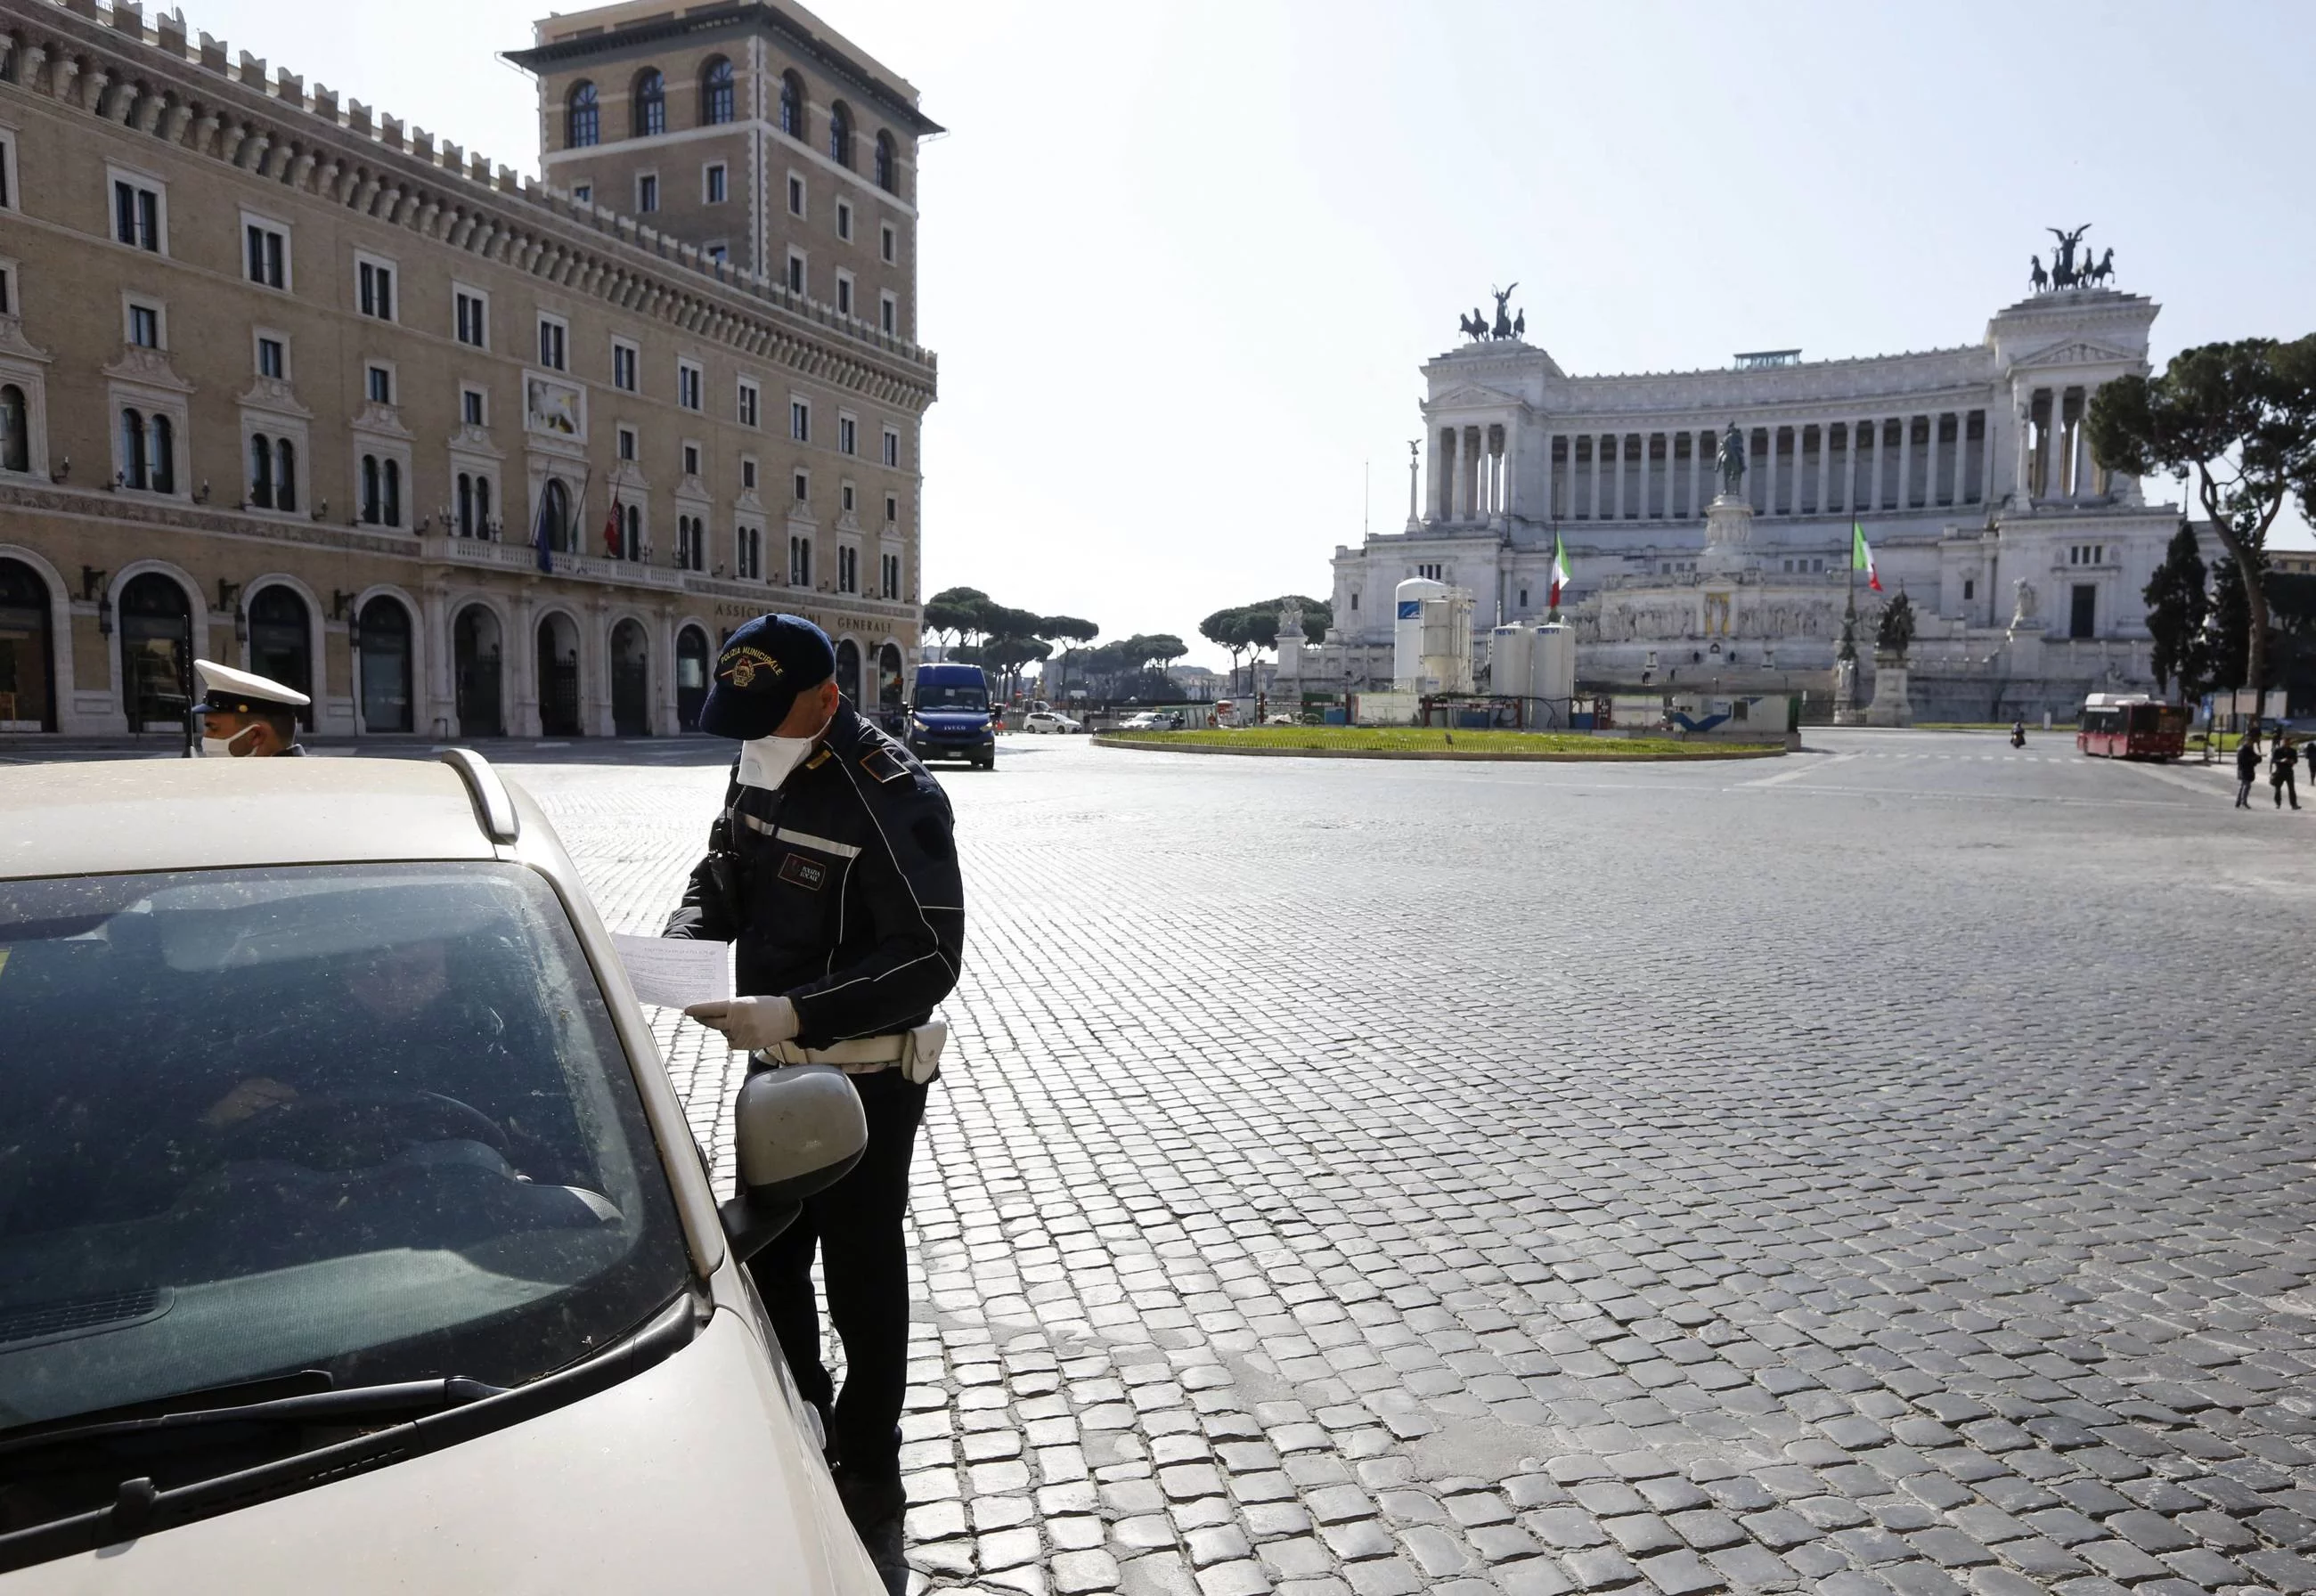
pixel 1882 1169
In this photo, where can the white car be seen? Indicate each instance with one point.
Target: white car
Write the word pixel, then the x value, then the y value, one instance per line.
pixel 1047 720
pixel 351 1233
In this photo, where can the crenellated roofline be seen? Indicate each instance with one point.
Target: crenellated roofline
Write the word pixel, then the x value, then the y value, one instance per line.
pixel 106 63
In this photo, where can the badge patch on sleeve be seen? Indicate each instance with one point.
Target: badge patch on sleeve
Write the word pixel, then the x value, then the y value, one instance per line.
pixel 884 764
pixel 799 871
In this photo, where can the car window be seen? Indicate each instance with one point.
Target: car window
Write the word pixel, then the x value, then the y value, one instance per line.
pixel 952 696
pixel 372 1120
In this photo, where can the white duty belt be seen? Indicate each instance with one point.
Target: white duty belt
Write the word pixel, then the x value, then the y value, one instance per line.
pixel 917 1052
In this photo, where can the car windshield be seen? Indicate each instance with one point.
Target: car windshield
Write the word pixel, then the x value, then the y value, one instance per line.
pixel 951 695
pixel 372 1120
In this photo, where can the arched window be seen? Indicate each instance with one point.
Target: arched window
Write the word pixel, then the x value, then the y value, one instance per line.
pixel 482 506
pixel 16 430
pixel 792 105
pixel 466 505
pixel 840 134
pixel 888 164
pixel 715 92
pixel 650 103
pixel 369 489
pixel 583 119
pixel 555 506
pixel 634 548
pixel 285 475
pixel 260 471
pixel 393 493
pixel 162 446
pixel 132 450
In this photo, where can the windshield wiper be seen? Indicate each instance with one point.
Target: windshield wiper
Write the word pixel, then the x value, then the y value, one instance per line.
pixel 354 1405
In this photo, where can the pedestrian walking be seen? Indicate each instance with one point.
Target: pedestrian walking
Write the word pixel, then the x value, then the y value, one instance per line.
pixel 2247 767
pixel 834 869
pixel 2282 762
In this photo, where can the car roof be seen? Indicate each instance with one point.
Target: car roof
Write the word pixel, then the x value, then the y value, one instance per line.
pixel 113 816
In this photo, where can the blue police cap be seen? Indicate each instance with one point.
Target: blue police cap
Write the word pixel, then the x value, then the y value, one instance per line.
pixel 762 667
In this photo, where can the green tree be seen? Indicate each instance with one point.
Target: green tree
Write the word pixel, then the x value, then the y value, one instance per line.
pixel 1007 655
pixel 956 611
pixel 2176 604
pixel 2241 417
pixel 1067 630
pixel 1227 629
pixel 2231 648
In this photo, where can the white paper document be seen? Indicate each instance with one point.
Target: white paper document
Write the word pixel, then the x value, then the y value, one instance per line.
pixel 675 973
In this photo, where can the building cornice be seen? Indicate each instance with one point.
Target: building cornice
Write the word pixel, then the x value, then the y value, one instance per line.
pixel 107 64
pixel 836 64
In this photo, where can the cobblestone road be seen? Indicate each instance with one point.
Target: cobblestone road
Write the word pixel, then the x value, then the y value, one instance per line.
pixel 1885 1169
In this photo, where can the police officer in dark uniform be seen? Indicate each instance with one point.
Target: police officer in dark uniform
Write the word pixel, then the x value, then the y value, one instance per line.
pixel 833 869
pixel 244 715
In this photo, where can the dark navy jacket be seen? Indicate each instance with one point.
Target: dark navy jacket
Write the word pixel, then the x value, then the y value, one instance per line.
pixel 845 883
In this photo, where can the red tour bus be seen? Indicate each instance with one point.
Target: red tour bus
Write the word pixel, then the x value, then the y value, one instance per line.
pixel 2132 726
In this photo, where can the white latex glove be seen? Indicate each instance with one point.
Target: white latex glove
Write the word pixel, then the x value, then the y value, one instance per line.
pixel 750 1024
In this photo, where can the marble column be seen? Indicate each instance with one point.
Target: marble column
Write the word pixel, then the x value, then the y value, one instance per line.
pixel 1544 446
pixel 1700 455
pixel 1621 473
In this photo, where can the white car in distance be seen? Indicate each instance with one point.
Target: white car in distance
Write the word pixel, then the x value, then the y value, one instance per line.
pixel 352 1236
pixel 1049 721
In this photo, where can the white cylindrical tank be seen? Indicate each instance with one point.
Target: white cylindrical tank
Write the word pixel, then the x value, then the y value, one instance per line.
pixel 1446 657
pixel 1551 663
pixel 1407 631
pixel 1509 652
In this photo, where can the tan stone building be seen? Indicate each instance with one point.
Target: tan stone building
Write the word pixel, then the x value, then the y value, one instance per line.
pixel 288 384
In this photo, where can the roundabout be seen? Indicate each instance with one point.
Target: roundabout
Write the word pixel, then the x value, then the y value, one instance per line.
pixel 1430 743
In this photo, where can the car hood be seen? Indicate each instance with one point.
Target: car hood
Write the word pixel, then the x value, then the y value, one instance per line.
pixel 691 1475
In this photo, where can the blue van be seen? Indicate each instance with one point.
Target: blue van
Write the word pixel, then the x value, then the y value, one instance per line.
pixel 949 715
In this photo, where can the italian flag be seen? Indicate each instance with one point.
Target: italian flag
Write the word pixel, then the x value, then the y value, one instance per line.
pixel 1559 569
pixel 1861 557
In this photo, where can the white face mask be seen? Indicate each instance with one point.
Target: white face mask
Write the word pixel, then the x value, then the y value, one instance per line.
pixel 223 747
pixel 766 761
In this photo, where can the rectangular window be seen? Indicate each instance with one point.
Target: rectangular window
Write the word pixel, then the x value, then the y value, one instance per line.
pixel 691 459
pixel 647 192
pixel 623 367
pixel 888 314
pixel 803 487
pixel 714 254
pixel 843 219
pixel 272 359
pixel 379 385
pixel 8 171
pixel 846 434
pixel 795 272
pixel 471 412
pixel 269 254
pixel 888 243
pixel 1969 589
pixel 137 215
pixel 376 286
pixel 552 331
pixel 2082 621
pixel 145 326
pixel 890 568
pixel 795 195
pixel 892 508
pixel 800 562
pixel 800 421
pixel 892 447
pixel 848 570
pixel 715 183
pixel 747 403
pixel 748 476
pixel 626 444
pixel 7 290
pixel 474 323
pixel 844 496
pixel 686 385
pixel 583 193
pixel 844 293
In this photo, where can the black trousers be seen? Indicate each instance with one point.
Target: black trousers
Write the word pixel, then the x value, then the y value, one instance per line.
pixel 2286 787
pixel 855 1227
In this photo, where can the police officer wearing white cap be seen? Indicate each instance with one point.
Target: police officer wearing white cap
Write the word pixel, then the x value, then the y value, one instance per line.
pixel 246 716
pixel 834 869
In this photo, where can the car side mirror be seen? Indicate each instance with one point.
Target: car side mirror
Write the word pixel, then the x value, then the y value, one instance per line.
pixel 796 1131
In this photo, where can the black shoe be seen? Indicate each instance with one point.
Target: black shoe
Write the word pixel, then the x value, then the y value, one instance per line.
pixel 875 1504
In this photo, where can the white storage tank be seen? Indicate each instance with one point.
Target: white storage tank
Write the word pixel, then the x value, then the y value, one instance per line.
pixel 1551 664
pixel 1510 656
pixel 1407 631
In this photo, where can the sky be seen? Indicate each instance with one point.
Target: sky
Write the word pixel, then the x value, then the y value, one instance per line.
pixel 1183 260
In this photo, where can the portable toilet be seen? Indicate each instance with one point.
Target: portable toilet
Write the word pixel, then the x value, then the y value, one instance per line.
pixel 1407 631
pixel 1552 662
pixel 1510 654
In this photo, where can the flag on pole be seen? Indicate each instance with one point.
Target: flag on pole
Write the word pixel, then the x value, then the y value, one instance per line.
pixel 612 527
pixel 1559 570
pixel 1861 557
pixel 540 540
